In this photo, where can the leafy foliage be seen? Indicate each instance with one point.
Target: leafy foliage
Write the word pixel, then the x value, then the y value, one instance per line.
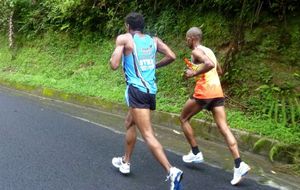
pixel 255 41
pixel 106 17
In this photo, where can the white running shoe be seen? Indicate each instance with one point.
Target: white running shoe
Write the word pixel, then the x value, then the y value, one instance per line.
pixel 123 167
pixel 192 158
pixel 175 177
pixel 239 173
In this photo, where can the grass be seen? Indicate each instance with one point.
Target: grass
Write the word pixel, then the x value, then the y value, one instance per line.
pixel 80 66
pixel 61 63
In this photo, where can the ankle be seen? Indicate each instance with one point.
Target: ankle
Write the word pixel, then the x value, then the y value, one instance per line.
pixel 237 162
pixel 195 150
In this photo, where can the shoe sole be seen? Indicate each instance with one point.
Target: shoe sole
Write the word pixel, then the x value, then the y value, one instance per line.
pixel 198 162
pixel 177 182
pixel 194 162
pixel 120 170
pixel 124 172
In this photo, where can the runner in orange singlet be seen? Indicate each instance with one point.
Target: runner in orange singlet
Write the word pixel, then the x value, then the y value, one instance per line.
pixel 208 94
pixel 208 84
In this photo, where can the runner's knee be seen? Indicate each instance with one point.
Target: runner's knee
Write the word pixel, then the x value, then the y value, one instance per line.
pixel 232 143
pixel 224 128
pixel 225 131
pixel 128 123
pixel 183 119
pixel 152 142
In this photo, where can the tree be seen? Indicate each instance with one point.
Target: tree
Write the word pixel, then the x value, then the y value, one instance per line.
pixel 7 16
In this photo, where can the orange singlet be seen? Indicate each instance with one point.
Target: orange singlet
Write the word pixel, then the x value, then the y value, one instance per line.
pixel 208 84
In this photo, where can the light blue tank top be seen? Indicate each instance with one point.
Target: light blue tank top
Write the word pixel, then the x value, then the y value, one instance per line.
pixel 139 67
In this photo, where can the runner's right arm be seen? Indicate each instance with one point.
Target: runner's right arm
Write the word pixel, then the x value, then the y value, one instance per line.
pixel 117 54
pixel 205 66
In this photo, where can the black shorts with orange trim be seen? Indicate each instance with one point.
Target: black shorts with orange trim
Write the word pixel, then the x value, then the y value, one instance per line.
pixel 208 104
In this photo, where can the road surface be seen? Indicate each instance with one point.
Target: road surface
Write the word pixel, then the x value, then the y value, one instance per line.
pixel 44 148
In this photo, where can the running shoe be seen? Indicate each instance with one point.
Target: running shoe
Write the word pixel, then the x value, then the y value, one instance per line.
pixel 239 173
pixel 192 158
pixel 175 177
pixel 123 167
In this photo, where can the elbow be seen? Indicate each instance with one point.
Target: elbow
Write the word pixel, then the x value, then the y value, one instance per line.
pixel 172 57
pixel 220 71
pixel 211 65
pixel 114 67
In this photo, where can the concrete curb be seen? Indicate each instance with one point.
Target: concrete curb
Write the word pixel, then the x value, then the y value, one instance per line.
pixel 271 149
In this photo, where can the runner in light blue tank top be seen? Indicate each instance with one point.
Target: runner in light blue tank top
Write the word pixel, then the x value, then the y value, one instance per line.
pixel 139 67
pixel 137 52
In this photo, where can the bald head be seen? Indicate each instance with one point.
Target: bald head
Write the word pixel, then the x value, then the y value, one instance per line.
pixel 194 33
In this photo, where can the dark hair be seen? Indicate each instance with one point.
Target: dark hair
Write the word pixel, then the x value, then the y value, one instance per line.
pixel 135 21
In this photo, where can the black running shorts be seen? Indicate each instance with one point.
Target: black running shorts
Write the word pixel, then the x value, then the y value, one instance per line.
pixel 208 104
pixel 138 99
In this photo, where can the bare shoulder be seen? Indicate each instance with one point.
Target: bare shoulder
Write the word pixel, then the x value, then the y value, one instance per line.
pixel 197 52
pixel 160 44
pixel 123 38
pixel 157 40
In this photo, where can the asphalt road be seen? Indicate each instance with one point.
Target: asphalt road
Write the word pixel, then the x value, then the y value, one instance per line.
pixel 44 148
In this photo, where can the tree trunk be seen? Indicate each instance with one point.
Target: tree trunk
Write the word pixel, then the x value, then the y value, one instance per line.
pixel 11 30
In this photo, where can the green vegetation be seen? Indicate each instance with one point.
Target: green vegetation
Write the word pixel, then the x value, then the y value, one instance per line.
pixel 62 62
pixel 66 45
pixel 59 62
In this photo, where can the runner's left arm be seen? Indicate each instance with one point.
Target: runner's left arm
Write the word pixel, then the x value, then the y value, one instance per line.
pixel 169 55
pixel 219 69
